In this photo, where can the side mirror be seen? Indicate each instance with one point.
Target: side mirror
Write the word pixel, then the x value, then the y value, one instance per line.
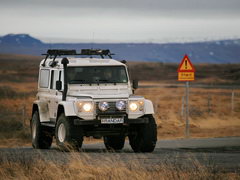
pixel 135 84
pixel 59 85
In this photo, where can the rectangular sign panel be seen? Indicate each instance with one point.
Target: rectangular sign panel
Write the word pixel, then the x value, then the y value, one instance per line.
pixel 186 76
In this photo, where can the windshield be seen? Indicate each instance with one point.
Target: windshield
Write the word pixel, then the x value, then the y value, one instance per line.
pixel 97 74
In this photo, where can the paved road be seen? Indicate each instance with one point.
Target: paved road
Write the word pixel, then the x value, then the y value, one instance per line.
pixel 184 143
pixel 220 153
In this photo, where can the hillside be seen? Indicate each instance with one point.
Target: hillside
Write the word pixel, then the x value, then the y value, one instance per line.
pixel 225 51
pixel 221 74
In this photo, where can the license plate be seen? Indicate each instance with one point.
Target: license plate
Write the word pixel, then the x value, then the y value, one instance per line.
pixel 112 120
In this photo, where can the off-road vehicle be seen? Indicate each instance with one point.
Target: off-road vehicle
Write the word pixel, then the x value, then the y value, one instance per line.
pixel 80 95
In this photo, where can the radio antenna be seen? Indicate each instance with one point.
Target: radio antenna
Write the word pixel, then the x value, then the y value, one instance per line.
pixel 92 41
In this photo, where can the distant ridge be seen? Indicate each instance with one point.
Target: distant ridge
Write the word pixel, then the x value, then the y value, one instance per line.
pixel 224 51
pixel 19 39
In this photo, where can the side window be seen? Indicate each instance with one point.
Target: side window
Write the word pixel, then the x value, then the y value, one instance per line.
pixel 44 78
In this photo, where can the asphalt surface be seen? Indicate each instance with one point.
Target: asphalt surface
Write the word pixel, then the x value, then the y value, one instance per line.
pixel 219 153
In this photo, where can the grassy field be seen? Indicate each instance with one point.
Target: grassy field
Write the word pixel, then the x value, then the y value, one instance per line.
pixel 211 113
pixel 108 167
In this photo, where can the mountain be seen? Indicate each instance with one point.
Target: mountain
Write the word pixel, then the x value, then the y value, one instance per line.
pixel 224 51
pixel 19 40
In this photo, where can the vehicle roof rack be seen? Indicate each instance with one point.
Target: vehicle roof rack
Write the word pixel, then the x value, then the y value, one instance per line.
pixel 53 53
pixel 99 52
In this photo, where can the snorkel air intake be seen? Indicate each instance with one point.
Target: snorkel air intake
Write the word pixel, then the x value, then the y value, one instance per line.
pixel 65 62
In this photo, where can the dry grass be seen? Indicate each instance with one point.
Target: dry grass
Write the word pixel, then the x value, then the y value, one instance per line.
pixel 210 113
pixel 18 89
pixel 21 166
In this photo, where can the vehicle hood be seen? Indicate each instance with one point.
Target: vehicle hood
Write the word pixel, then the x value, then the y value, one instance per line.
pixel 100 91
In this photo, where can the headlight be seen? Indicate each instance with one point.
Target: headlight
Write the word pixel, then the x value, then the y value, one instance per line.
pixel 133 106
pixel 136 105
pixel 85 106
pixel 103 106
pixel 120 105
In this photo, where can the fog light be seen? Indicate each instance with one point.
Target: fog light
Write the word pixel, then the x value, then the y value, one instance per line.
pixel 103 106
pixel 120 105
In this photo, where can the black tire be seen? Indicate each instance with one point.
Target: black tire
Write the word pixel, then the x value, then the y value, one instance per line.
pixel 42 137
pixel 114 142
pixel 145 137
pixel 73 138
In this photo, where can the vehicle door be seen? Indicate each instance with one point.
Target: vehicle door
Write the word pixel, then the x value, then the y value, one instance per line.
pixel 54 94
pixel 43 93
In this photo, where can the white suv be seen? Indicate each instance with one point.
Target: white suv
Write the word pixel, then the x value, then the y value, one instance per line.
pixel 89 96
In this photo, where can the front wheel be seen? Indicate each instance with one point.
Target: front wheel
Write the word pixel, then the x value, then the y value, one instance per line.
pixel 41 136
pixel 68 136
pixel 144 137
pixel 114 142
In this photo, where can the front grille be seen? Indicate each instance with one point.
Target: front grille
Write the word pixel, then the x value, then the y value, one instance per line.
pixel 112 109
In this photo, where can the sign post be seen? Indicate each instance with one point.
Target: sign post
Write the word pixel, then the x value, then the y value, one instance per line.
pixel 186 73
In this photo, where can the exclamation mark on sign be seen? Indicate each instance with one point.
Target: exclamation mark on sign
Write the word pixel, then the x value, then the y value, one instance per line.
pixel 185 64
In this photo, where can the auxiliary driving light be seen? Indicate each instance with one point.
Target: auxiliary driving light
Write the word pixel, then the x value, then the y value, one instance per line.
pixel 103 106
pixel 120 105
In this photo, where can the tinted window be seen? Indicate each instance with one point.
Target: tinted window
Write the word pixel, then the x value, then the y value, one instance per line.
pixel 98 74
pixel 44 78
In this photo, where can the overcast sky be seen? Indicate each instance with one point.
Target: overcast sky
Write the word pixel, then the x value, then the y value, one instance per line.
pixel 121 20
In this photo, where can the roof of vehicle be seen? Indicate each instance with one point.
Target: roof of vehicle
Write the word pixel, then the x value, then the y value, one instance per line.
pixel 76 61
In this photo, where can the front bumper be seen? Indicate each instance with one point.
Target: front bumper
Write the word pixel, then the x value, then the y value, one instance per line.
pixel 78 121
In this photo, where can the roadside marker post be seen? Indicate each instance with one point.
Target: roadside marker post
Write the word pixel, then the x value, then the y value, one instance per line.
pixel 186 73
pixel 232 102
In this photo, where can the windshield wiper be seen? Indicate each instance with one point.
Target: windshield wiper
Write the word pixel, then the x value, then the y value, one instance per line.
pixel 107 81
pixel 82 81
pixel 103 80
pixel 77 81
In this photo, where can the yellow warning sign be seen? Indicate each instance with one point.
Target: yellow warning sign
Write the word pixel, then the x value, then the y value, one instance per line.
pixel 186 76
pixel 186 66
pixel 186 70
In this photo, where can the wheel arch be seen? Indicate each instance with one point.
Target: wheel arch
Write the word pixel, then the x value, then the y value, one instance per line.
pixel 149 109
pixel 34 108
pixel 60 111
pixel 67 108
